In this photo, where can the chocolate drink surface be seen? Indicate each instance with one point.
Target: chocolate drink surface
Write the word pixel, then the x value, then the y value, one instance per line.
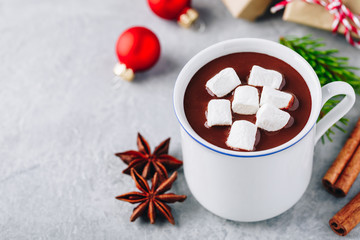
pixel 197 97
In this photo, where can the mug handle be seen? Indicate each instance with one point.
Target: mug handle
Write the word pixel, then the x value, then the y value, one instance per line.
pixel 328 91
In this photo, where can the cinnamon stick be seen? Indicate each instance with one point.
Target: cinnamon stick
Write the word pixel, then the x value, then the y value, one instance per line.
pixel 347 218
pixel 348 176
pixel 342 159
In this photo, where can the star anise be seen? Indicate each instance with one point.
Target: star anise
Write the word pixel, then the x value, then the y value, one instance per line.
pixel 152 199
pixel 146 163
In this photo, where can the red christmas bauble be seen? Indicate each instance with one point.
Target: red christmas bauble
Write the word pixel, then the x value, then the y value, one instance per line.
pixel 138 49
pixel 169 9
pixel 179 10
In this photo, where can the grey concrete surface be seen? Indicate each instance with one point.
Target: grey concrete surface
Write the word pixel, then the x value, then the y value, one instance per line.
pixel 62 117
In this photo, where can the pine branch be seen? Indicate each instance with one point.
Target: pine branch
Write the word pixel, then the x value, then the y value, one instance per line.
pixel 329 67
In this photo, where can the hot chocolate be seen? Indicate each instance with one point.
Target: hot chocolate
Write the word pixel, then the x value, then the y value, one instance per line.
pixel 204 97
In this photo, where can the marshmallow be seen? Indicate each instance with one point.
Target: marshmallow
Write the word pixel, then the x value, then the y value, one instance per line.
pixel 246 100
pixel 219 113
pixel 275 97
pixel 263 77
pixel 242 135
pixel 270 118
pixel 224 82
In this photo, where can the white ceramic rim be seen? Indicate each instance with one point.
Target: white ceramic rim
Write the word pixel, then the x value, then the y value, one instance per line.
pixel 250 45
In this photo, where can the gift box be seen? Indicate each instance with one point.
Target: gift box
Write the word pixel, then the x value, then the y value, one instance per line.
pixel 247 9
pixel 315 15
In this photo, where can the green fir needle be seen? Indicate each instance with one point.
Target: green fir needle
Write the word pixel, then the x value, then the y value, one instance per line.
pixel 328 67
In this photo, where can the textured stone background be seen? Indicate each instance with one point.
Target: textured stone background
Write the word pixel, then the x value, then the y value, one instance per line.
pixel 62 117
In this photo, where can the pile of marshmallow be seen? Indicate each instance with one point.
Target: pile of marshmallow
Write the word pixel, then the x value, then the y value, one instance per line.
pixel 246 101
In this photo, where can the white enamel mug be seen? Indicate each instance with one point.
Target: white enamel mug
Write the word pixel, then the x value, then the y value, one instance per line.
pixel 254 186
